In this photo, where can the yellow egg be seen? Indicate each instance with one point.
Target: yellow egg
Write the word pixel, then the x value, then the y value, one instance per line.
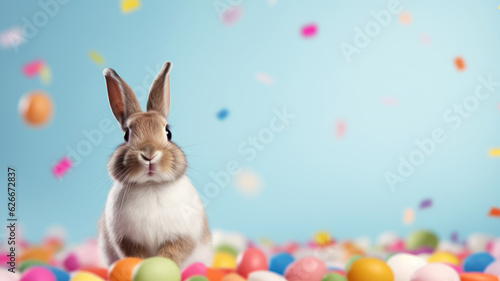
pixel 85 276
pixel 370 269
pixel 322 238
pixel 443 257
pixel 224 260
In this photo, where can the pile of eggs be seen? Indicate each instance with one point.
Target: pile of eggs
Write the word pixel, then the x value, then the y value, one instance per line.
pixel 419 257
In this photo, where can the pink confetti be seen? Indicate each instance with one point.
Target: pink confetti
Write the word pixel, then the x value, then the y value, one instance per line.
pixel 12 37
pixel 61 167
pixel 340 129
pixel 389 101
pixel 33 68
pixel 309 30
pixel 264 78
pixel 232 15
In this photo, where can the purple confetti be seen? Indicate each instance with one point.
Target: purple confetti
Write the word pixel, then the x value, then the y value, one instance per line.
pixel 454 237
pixel 427 203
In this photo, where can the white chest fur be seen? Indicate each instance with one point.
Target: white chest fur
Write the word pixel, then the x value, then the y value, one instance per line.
pixel 151 214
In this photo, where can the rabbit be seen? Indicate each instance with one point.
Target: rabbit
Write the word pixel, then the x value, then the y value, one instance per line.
pixel 152 209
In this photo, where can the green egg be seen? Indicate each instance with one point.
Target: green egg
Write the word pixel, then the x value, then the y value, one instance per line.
pixel 197 278
pixel 29 263
pixel 157 269
pixel 334 277
pixel 351 261
pixel 420 239
pixel 226 248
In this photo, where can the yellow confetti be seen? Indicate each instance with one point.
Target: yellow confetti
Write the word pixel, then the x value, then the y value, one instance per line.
pixel 129 6
pixel 322 238
pixel 96 57
pixel 45 75
pixel 494 152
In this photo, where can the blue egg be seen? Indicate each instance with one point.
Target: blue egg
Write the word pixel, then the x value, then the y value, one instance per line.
pixel 477 262
pixel 222 114
pixel 279 262
pixel 60 275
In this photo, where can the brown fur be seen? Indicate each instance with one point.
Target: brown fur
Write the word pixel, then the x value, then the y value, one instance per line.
pixel 132 249
pixel 159 95
pixel 177 250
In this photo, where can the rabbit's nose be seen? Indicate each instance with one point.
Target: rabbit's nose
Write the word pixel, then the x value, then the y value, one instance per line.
pixel 146 158
pixel 148 152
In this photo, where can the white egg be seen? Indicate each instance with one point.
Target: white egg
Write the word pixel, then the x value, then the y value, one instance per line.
pixel 404 265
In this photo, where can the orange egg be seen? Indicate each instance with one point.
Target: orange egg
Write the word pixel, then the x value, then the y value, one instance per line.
pixel 122 269
pixel 215 274
pixel 477 277
pixel 36 253
pixel 233 277
pixel 35 108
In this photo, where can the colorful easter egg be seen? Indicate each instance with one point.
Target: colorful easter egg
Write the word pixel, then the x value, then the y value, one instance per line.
pixel 122 270
pixel 477 242
pixel 477 262
pixel 226 248
pixel 233 277
pixel 279 262
pixel 370 269
pixel 197 278
pixel 493 268
pixel 59 274
pixel 37 273
pixel 421 239
pixel 251 260
pixel 322 238
pixel 309 268
pixel 435 272
pixel 35 109
pixel 224 260
pixel 85 276
pixel 71 262
pixel 101 272
pixel 404 265
pixel 197 268
pixel 443 257
pixel 334 277
pixel 476 276
pixel 264 275
pixel 9 276
pixel 29 263
pixel 214 274
pixel 157 269
pixel 351 260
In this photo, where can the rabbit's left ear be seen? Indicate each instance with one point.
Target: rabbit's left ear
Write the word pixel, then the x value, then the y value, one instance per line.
pixel 159 93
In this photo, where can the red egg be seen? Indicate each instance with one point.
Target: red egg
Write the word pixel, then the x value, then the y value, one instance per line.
pixel 251 260
pixel 310 269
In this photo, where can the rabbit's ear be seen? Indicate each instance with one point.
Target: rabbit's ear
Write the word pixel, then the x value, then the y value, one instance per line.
pixel 159 94
pixel 122 99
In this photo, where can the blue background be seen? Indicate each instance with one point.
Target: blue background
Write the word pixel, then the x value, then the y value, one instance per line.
pixel 312 180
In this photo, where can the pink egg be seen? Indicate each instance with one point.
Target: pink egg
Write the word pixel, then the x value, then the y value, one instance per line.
pixel 310 269
pixel 457 268
pixel 251 260
pixel 194 269
pixel 71 262
pixel 37 273
pixel 8 276
pixel 493 268
pixel 435 272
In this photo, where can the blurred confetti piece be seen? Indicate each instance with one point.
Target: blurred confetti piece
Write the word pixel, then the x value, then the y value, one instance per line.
pixel 264 78
pixel 340 129
pixel 405 18
pixel 248 183
pixel 389 101
pixel 128 6
pixel 222 114
pixel 309 30
pixel 12 37
pixel 32 68
pixel 45 74
pixel 454 237
pixel 61 167
pixel 494 212
pixel 408 216
pixel 96 57
pixel 460 63
pixel 426 203
pixel 494 152
pixel 425 39
pixel 232 15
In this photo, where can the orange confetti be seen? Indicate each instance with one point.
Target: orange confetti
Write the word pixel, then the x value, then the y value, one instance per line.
pixel 494 212
pixel 460 63
pixel 405 18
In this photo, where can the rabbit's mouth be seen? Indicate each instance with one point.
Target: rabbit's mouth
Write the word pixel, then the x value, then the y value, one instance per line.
pixel 151 169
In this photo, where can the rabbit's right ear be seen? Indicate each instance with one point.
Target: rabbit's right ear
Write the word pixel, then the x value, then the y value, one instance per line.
pixel 122 99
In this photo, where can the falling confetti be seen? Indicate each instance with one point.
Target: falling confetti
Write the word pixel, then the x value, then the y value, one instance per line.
pixel 128 6
pixel 309 30
pixel 61 167
pixel 389 101
pixel 340 129
pixel 494 152
pixel 427 203
pixel 45 74
pixel 264 78
pixel 494 212
pixel 33 68
pixel 232 15
pixel 425 39
pixel 405 18
pixel 248 183
pixel 408 216
pixel 12 37
pixel 460 63
pixel 454 237
pixel 222 114
pixel 96 57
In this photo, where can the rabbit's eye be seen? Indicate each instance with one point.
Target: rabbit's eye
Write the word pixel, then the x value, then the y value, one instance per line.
pixel 125 136
pixel 169 134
